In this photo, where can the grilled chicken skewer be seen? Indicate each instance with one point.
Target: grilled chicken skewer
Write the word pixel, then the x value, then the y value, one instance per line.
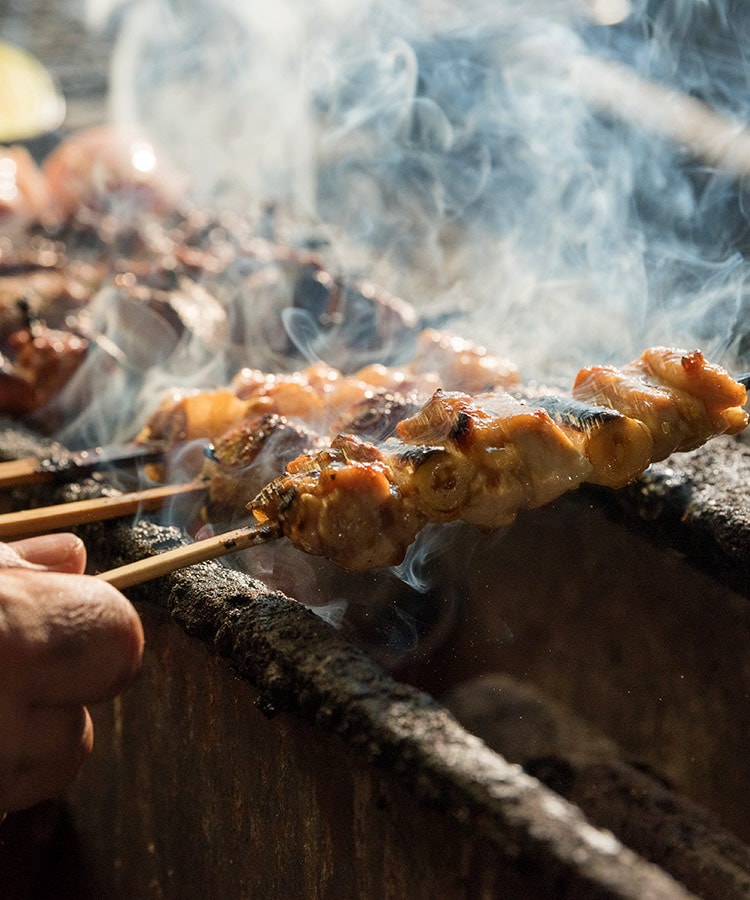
pixel 262 421
pixel 480 460
pixel 320 394
pixel 260 443
pixel 616 447
pixel 320 397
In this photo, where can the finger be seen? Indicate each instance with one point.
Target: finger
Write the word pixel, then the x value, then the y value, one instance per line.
pixel 68 638
pixel 62 552
pixel 50 732
pixel 58 741
pixel 9 559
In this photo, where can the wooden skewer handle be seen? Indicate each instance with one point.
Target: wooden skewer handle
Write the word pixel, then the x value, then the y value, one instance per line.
pixel 97 509
pixel 708 134
pixel 17 472
pixel 210 548
pixel 14 472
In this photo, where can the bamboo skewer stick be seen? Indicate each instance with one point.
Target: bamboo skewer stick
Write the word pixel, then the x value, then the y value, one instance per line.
pixel 97 509
pixel 200 551
pixel 22 471
pixel 31 470
pixel 710 135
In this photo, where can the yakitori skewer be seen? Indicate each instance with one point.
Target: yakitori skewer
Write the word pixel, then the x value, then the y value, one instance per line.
pixel 71 466
pixel 480 460
pixel 447 465
pixel 97 509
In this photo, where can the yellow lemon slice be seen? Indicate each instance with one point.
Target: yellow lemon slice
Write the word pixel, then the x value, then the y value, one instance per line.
pixel 30 100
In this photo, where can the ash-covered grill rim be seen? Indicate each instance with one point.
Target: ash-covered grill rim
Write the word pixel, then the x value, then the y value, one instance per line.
pixel 697 503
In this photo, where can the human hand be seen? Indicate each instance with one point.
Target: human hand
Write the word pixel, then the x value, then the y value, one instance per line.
pixel 66 640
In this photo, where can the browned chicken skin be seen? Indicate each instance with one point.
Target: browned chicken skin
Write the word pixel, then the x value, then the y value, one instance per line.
pixel 682 399
pixel 345 503
pixel 248 456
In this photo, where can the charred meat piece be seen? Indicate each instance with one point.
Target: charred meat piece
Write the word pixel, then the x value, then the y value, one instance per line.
pixel 618 447
pixel 500 456
pixel 44 360
pixel 682 399
pixel 376 416
pixel 249 455
pixel 346 504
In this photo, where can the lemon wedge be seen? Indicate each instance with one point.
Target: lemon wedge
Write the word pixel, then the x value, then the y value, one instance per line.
pixel 30 100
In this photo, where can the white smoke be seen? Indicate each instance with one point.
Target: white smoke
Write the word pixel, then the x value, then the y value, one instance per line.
pixel 459 145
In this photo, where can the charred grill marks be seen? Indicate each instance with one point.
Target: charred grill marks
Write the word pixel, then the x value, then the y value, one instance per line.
pixel 461 429
pixel 575 413
pixel 415 455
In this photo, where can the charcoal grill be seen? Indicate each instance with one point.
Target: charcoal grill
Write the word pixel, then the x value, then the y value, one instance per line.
pixel 601 643
pixel 576 725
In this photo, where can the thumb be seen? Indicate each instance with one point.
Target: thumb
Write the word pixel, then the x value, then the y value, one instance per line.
pixel 58 552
